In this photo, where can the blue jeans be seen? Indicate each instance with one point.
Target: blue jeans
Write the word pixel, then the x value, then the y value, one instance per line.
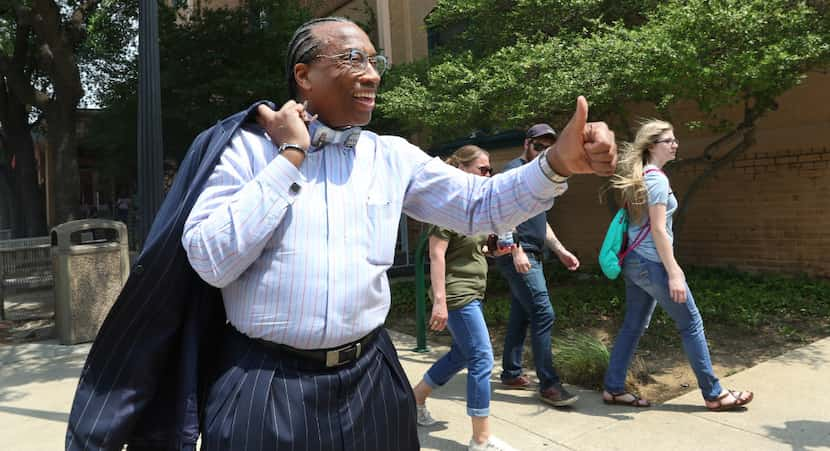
pixel 470 349
pixel 646 285
pixel 530 307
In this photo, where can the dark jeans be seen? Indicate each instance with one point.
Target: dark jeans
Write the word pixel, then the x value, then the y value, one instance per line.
pixel 646 286
pixel 530 307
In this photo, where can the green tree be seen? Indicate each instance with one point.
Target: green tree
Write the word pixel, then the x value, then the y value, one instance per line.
pixel 214 62
pixel 45 46
pixel 518 61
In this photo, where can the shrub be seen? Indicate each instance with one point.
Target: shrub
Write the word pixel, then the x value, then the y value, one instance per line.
pixel 581 360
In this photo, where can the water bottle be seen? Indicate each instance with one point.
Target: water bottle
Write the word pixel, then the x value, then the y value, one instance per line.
pixel 505 240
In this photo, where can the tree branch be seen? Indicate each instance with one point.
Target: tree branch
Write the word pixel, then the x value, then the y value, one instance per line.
pixel 77 21
pixel 18 86
pixel 4 102
pixel 62 68
pixel 747 142
pixel 21 38
pixel 747 128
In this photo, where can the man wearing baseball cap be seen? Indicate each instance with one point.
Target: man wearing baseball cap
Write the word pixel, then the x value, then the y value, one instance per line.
pixel 530 303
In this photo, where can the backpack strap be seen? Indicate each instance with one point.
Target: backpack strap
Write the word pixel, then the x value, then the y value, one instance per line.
pixel 643 233
pixel 637 240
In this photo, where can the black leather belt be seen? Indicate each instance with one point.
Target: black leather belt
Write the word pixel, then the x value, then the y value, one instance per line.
pixel 331 357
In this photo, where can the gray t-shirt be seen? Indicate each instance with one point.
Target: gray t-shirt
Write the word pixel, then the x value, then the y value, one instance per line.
pixel 659 192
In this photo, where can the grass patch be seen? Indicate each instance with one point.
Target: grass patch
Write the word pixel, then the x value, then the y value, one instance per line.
pixel 582 360
pixel 586 299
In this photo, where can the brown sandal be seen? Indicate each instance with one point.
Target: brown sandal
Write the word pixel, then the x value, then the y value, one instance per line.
pixel 636 402
pixel 739 401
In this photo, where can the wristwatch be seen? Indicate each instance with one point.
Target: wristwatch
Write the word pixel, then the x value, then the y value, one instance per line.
pixel 284 146
pixel 544 164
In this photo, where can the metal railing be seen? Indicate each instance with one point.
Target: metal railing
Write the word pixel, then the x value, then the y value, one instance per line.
pixel 420 296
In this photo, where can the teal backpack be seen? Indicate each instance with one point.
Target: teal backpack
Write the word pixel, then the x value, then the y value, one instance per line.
pixel 614 248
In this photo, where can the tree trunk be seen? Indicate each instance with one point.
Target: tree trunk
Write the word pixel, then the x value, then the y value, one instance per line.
pixel 747 139
pixel 28 213
pixel 62 136
pixel 8 200
pixel 32 213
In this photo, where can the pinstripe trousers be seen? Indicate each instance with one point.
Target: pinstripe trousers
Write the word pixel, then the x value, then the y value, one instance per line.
pixel 265 400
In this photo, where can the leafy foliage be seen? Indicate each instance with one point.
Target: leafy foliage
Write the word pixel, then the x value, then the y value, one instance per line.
pixel 51 52
pixel 518 61
pixel 212 65
pixel 586 300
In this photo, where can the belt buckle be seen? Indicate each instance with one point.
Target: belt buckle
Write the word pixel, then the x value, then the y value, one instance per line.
pixel 333 356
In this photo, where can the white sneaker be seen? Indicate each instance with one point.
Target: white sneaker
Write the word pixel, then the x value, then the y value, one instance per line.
pixel 424 417
pixel 492 444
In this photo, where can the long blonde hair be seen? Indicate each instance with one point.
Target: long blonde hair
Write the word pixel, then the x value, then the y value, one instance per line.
pixel 465 155
pixel 629 178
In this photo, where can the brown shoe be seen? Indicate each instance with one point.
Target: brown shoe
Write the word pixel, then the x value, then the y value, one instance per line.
pixel 517 383
pixel 738 400
pixel 557 396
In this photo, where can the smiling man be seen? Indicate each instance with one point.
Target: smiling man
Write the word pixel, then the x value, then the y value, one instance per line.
pixel 291 225
pixel 298 225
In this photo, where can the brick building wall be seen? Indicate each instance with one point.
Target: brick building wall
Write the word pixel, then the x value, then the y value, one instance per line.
pixel 769 210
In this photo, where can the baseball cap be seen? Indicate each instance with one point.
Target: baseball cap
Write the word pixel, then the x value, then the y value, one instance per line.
pixel 540 130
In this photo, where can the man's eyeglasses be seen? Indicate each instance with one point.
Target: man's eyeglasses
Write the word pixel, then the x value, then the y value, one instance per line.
pixel 538 147
pixel 485 170
pixel 668 141
pixel 358 60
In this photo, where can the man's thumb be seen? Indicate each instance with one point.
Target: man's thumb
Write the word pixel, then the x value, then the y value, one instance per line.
pixel 580 116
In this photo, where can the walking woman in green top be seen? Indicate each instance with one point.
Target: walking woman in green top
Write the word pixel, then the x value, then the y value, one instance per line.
pixel 458 272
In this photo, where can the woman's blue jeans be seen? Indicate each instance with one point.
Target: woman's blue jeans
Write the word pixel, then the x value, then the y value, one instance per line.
pixel 646 285
pixel 470 349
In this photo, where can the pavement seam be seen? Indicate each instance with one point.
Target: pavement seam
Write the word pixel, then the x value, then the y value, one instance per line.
pixel 599 430
pixel 514 424
pixel 730 426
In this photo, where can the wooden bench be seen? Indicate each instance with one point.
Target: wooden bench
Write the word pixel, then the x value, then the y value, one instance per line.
pixel 24 263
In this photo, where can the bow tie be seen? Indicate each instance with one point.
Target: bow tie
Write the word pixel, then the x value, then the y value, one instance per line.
pixel 322 135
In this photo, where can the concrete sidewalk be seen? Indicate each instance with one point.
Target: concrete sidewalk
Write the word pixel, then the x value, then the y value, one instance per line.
pixel 791 410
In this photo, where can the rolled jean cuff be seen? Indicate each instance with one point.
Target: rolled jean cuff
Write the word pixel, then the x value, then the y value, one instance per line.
pixel 428 380
pixel 485 412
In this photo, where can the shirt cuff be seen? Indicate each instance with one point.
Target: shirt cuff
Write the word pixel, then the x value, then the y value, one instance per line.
pixel 539 185
pixel 282 178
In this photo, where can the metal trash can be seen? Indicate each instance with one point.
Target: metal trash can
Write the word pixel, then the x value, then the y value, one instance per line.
pixel 91 263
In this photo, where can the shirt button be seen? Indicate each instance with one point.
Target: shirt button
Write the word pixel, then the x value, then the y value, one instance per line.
pixel 295 188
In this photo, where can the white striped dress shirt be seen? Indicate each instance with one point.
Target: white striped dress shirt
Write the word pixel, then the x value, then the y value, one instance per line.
pixel 301 254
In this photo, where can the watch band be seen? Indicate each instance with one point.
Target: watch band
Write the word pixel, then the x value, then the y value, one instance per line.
pixel 547 170
pixel 284 146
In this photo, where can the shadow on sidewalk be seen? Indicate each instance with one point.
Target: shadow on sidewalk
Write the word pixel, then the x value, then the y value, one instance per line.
pixel 803 434
pixel 34 363
pixel 59 417
pixel 811 356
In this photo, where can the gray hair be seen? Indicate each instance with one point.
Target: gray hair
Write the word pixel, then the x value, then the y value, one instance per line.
pixel 304 47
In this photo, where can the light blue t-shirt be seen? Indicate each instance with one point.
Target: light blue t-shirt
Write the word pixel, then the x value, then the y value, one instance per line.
pixel 659 192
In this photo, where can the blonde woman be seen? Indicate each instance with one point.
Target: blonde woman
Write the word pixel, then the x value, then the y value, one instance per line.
pixel 652 274
pixel 458 272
